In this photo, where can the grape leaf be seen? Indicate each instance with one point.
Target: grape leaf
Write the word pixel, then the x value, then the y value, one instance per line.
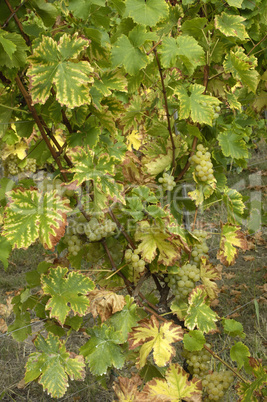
pixel 21 327
pixel 233 328
pixel 126 389
pixel 51 63
pixel 124 320
pixel 146 12
pixel 233 144
pixel 81 8
pixel 235 3
pixel 126 54
pixel 194 340
pixel 152 336
pixel 231 237
pixel 103 350
pixel 209 274
pixel 31 214
pixel 67 293
pixel 52 364
pixel 156 238
pixel 239 353
pixel 12 50
pixel 105 303
pixel 250 391
pixel 231 25
pixel 47 11
pixel 242 67
pixel 184 48
pixel 7 45
pixel 175 387
pixel 5 250
pixel 196 105
pixel 199 314
pixel 234 204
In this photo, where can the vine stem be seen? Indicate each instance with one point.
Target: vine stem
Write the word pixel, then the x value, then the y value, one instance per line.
pixel 32 109
pixel 154 47
pixel 187 165
pixel 257 44
pixel 120 227
pixel 166 106
pixel 13 14
pixel 226 364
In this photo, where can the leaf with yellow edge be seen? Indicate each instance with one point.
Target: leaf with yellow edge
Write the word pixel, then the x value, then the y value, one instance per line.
pixel 231 238
pixel 31 214
pixel 154 238
pixel 52 364
pixel 105 303
pixel 159 338
pixel 209 274
pixel 18 149
pixel 175 387
pixel 127 388
pixel 133 140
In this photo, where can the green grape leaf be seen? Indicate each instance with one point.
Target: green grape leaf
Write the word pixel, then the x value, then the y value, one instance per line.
pixel 233 144
pixel 239 353
pixel 209 274
pixel 67 293
pixel 131 57
pixel 231 237
pixel 52 364
pixel 199 314
pixel 242 67
pixel 103 350
pixel 179 308
pixel 139 35
pixel 250 391
pixel 51 64
pixel 5 250
pixel 146 12
pixel 157 338
pixel 111 80
pixel 194 340
pixel 31 214
pixel 235 3
pixel 184 48
pixel 234 204
pixel 231 25
pixel 100 170
pixel 194 26
pixel 196 105
pixel 174 387
pixel 124 320
pixel 233 328
pixel 233 102
pixel 12 50
pixel 81 8
pixel 21 327
pixel 153 240
pixel 46 11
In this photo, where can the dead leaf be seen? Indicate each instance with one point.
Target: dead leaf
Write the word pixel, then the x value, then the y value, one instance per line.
pixel 21 384
pixel 248 257
pixel 229 275
pixel 105 303
pixel 214 303
pixel 234 315
pixel 127 388
pixel 6 309
pixel 3 326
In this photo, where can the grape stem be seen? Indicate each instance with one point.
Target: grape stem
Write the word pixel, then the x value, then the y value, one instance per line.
pixel 226 364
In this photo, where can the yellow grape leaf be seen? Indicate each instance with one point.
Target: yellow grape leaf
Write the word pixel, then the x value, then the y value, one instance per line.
pixel 158 338
pixel 133 140
pixel 174 387
pixel 209 274
pixel 231 237
pixel 127 389
pixel 155 238
pixel 18 149
pixel 105 303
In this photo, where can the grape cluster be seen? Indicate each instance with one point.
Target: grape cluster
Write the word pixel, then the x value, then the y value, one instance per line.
pixel 184 281
pixel 216 384
pixel 13 165
pixel 167 182
pixel 133 260
pixel 201 249
pixel 96 230
pixel 216 112
pixel 74 244
pixel 198 362
pixel 203 165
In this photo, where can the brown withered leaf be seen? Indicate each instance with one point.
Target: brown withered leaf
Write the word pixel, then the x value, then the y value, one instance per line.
pixel 248 257
pixel 21 384
pixel 208 275
pixel 132 170
pixel 127 388
pixel 229 275
pixel 6 309
pixel 105 303
pixel 3 326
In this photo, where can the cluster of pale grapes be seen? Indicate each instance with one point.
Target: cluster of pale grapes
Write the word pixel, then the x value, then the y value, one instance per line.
pixel 134 260
pixel 96 230
pixel 216 112
pixel 13 168
pixel 74 244
pixel 201 249
pixel 184 281
pixel 167 181
pixel 198 362
pixel 216 384
pixel 203 165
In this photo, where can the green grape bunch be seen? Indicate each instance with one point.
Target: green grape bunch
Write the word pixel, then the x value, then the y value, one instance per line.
pixel 201 249
pixel 182 283
pixel 202 164
pixel 96 230
pixel 13 165
pixel 167 181
pixel 134 260
pixel 216 384
pixel 198 362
